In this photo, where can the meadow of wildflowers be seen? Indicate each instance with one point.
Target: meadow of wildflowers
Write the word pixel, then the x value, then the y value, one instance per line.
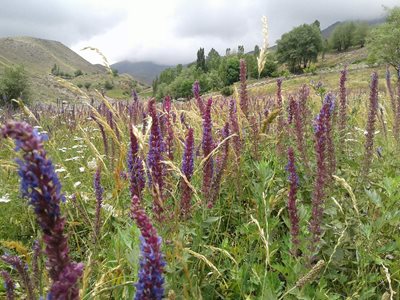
pixel 264 195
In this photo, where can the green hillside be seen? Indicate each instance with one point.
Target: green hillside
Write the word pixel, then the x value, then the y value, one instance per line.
pixel 39 56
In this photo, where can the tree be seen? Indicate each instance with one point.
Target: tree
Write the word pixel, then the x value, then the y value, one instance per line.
pixel 213 60
pixel 383 42
pixel 256 50
pixel 87 85
pixel 299 47
pixel 229 70
pixel 240 50
pixel 13 85
pixel 201 60
pixel 342 36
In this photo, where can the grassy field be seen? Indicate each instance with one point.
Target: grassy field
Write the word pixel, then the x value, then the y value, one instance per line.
pixel 242 246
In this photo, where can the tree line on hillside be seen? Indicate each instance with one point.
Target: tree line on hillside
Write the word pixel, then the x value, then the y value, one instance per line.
pixel 296 51
pixel 213 71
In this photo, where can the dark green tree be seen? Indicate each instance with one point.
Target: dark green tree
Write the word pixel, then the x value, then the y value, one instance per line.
pixel 383 42
pixel 201 60
pixel 230 70
pixel 13 85
pixel 299 47
pixel 341 38
pixel 256 50
pixel 213 60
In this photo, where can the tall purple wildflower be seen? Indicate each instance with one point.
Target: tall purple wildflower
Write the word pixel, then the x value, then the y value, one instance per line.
pixel 208 147
pixel 8 285
pixel 299 131
pixel 150 278
pixel 330 147
pixel 292 207
pixel 196 93
pixel 99 199
pixel 342 101
pixel 40 184
pixel 187 170
pixel 244 101
pixel 154 161
pixel 22 269
pixel 135 167
pixel 169 128
pixel 370 128
pixel 221 163
pixel 234 125
pixel 320 124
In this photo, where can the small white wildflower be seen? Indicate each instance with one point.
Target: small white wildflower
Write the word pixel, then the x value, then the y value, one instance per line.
pixel 82 169
pixel 73 158
pixel 76 184
pixel 37 127
pixel 60 170
pixel 109 208
pixel 63 149
pixel 92 164
pixel 5 198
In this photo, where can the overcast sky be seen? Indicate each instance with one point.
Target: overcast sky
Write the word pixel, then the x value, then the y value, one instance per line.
pixel 171 31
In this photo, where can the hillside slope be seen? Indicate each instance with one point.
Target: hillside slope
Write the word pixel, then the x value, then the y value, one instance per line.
pixel 38 56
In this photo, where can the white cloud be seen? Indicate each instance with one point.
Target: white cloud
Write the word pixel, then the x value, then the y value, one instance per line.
pixel 170 31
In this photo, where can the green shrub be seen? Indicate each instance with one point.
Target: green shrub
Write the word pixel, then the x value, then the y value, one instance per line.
pixel 227 91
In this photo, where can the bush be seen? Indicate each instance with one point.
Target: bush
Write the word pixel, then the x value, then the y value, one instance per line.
pixel 79 85
pixel 227 91
pixel 87 85
pixel 78 73
pixel 108 85
pixel 14 85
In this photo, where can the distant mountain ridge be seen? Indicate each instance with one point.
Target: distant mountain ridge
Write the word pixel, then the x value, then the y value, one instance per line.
pixel 145 71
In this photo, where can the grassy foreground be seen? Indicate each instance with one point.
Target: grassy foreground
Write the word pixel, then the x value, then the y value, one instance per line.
pixel 242 246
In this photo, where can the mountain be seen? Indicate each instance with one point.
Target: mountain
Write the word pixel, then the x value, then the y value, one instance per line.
pixel 328 30
pixel 39 56
pixel 145 71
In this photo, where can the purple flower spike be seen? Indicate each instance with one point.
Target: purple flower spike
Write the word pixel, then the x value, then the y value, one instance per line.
pixel 187 170
pixel 320 132
pixel 22 268
pixel 208 147
pixel 169 128
pixel 40 184
pixel 292 207
pixel 99 199
pixel 244 101
pixel 196 93
pixel 150 283
pixel 8 285
pixel 370 129
pixel 154 161
pixel 222 161
pixel 234 126
pixel 135 168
